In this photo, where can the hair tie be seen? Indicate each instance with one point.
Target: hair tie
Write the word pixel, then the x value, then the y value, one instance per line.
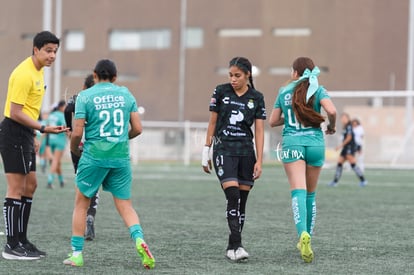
pixel 313 81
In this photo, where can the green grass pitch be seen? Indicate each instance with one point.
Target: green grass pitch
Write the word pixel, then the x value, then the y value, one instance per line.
pixel 358 230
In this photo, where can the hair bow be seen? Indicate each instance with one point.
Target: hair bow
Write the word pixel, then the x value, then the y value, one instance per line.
pixel 313 81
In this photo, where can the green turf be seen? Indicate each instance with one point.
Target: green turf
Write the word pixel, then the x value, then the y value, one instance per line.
pixel 358 231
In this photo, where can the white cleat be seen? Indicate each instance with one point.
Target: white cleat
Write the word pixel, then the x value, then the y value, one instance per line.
pixel 237 255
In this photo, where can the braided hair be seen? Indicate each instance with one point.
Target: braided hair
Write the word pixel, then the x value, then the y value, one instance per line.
pixel 244 65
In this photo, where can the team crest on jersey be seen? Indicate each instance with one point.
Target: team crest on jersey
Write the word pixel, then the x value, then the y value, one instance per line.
pixel 250 104
pixel 220 171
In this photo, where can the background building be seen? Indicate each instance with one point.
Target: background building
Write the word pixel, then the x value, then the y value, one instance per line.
pixel 359 45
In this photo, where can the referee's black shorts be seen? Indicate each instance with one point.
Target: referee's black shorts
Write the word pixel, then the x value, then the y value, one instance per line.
pixel 17 147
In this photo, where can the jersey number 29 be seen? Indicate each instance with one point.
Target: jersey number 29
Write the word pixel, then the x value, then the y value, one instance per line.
pixel 117 121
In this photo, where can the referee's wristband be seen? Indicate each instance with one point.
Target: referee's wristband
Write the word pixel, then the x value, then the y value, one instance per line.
pixel 42 129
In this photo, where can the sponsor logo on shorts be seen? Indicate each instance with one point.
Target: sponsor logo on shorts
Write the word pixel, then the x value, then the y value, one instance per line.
pixel 86 183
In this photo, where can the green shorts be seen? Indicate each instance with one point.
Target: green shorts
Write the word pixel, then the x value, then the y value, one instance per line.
pixel 58 145
pixel 42 148
pixel 115 180
pixel 312 155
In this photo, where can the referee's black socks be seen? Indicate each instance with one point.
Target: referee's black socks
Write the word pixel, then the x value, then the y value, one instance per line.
pixel 11 212
pixel 24 218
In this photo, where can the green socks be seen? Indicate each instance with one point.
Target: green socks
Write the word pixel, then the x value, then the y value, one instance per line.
pixel 136 232
pixel 50 178
pixel 77 243
pixel 299 209
pixel 304 210
pixel 310 212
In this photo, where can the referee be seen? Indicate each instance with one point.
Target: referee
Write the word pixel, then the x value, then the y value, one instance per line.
pixel 17 146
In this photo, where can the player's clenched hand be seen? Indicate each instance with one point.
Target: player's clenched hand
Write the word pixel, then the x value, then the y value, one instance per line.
pixel 206 160
pixel 330 130
pixel 257 171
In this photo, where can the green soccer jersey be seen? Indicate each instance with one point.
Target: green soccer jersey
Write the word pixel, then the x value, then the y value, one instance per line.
pixel 293 132
pixel 233 135
pixel 106 108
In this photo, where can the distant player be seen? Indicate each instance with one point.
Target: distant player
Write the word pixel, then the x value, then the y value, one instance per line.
pixel 359 141
pixel 57 145
pixel 236 107
pixel 69 112
pixel 108 116
pixel 348 149
pixel 45 156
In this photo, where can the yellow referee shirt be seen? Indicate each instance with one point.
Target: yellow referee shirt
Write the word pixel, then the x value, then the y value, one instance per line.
pixel 27 88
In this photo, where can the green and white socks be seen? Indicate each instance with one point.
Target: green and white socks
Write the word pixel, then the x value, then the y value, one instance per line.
pixel 304 210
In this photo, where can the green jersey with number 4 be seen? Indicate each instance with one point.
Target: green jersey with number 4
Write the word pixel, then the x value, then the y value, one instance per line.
pixel 106 108
pixel 293 132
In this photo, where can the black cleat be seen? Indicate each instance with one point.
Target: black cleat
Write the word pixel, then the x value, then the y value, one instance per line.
pixel 90 228
pixel 32 248
pixel 19 253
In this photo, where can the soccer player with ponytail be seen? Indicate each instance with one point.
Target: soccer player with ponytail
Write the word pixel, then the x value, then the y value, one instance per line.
pixel 234 108
pixel 298 107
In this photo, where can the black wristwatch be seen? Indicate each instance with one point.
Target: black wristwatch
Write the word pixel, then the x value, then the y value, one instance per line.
pixel 42 129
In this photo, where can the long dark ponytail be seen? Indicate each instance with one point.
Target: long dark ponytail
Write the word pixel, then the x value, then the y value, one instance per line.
pixel 303 110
